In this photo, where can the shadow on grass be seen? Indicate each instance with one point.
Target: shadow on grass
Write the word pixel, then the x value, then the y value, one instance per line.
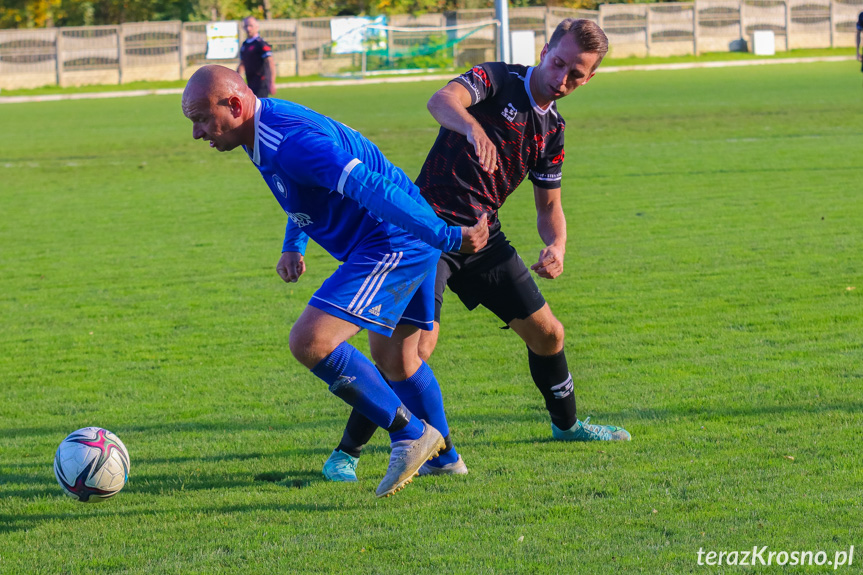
pixel 83 511
pixel 36 485
pixel 161 428
pixel 221 457
pixel 295 479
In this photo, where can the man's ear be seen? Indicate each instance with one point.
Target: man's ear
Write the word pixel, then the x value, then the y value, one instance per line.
pixel 236 105
pixel 544 52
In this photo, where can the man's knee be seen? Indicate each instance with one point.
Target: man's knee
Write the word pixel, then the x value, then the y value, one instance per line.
pixel 395 365
pixel 542 332
pixel 428 342
pixel 309 346
pixel 305 348
pixel 549 338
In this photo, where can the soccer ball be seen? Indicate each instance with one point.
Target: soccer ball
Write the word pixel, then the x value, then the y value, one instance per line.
pixel 91 462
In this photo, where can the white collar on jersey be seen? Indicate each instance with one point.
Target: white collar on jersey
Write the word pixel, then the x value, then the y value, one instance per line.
pixel 533 103
pixel 256 157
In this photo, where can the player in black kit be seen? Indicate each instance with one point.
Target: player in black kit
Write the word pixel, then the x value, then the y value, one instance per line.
pixel 499 124
pixel 256 61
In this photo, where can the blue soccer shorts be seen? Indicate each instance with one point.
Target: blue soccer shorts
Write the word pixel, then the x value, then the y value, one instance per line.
pixel 383 285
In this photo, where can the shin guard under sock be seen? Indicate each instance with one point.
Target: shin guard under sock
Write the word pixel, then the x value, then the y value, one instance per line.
pixel 551 376
pixel 356 381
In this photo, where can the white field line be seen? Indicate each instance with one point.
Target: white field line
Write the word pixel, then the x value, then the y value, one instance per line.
pixel 423 78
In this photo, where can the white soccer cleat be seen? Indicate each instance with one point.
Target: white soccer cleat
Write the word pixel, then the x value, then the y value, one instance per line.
pixel 455 468
pixel 407 457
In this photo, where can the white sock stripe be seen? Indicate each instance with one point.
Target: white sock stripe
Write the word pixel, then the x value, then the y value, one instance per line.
pixel 563 389
pixel 381 279
pixel 567 382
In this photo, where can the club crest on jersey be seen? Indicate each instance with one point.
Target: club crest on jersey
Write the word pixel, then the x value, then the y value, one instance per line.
pixel 300 220
pixel 280 185
pixel 509 112
pixel 539 141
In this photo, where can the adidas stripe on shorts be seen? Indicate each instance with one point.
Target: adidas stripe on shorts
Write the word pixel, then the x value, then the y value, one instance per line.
pixel 383 285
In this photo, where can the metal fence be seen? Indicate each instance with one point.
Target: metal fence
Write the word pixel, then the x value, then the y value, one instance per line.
pixel 173 50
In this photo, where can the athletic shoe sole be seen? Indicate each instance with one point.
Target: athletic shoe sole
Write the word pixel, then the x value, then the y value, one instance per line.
pixel 454 468
pixel 402 470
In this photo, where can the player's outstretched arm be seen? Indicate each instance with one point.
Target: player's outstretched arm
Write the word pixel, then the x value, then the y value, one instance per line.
pixel 475 237
pixel 291 266
pixel 551 224
pixel 449 107
pixel 317 160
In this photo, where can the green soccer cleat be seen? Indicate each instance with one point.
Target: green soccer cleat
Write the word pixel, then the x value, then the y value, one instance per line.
pixel 584 431
pixel 406 459
pixel 455 468
pixel 341 467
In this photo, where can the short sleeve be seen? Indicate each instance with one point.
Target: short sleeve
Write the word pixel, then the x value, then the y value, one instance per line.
pixel 266 50
pixel 483 81
pixel 548 171
pixel 860 21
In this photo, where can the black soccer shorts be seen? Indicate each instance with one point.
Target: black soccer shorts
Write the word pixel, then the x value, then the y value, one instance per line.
pixel 495 277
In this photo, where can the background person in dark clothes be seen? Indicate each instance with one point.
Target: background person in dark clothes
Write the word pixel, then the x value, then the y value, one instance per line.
pixel 256 61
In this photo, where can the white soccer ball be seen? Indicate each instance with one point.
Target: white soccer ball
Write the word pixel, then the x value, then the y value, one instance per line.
pixel 91 464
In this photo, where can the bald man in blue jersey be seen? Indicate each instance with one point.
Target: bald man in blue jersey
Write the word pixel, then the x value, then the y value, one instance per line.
pixel 338 189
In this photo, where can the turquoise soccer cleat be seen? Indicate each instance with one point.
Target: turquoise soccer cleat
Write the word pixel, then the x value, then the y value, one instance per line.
pixel 585 431
pixel 341 467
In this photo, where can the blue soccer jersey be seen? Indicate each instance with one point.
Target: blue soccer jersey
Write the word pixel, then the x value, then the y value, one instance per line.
pixel 336 186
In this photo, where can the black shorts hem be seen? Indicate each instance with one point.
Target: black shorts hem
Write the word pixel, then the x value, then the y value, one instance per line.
pixel 496 278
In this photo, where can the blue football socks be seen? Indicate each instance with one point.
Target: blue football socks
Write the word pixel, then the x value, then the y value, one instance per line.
pixel 422 395
pixel 357 382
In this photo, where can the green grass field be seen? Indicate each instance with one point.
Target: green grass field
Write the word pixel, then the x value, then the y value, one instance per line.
pixel 609 61
pixel 712 300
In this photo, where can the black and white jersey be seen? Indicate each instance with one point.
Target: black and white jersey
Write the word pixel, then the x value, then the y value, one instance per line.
pixel 529 142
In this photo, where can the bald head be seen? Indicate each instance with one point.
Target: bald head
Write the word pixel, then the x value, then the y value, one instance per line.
pixel 250 25
pixel 216 83
pixel 221 107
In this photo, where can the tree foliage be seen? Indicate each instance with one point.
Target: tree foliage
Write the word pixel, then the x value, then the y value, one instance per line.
pixel 48 13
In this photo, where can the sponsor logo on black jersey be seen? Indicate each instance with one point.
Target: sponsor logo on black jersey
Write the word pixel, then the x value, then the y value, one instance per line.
pixel 509 112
